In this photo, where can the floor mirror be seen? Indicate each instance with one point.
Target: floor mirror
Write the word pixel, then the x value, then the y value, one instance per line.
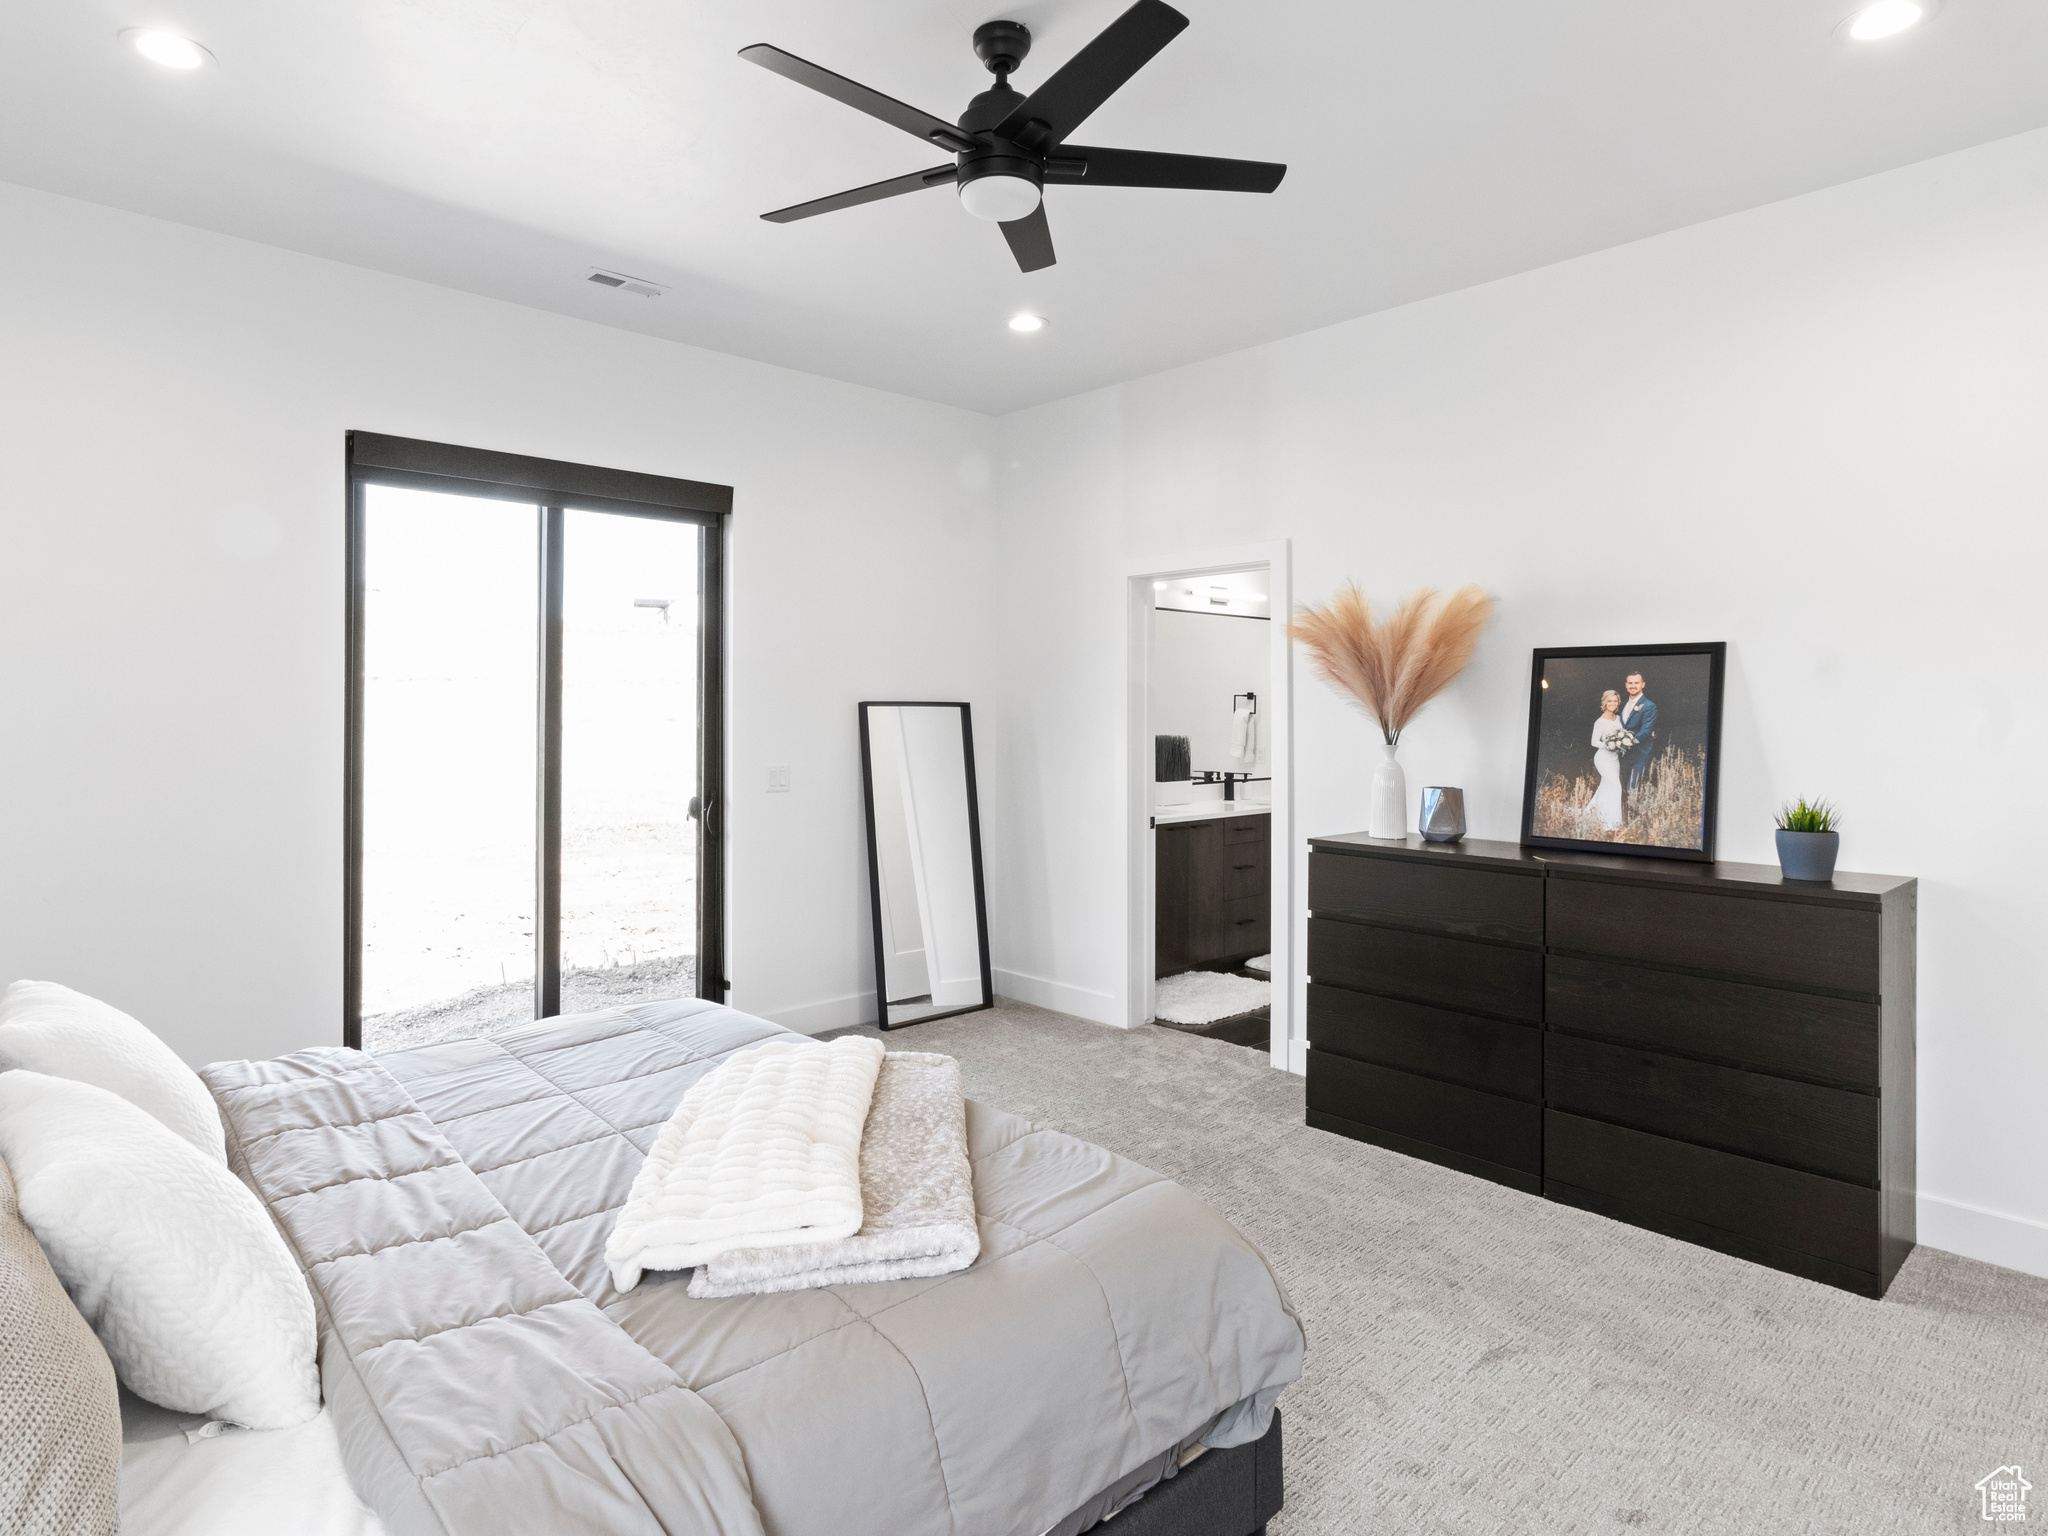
pixel 924 862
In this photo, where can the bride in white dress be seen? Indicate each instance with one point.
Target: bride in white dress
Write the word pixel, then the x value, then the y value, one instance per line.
pixel 1607 798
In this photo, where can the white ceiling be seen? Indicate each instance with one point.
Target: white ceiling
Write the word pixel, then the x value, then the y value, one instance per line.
pixel 506 146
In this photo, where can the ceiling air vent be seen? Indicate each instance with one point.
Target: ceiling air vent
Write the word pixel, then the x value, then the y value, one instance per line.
pixel 625 284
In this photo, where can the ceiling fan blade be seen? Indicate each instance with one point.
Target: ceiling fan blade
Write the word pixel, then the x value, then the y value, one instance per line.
pixel 873 192
pixel 1030 240
pixel 933 130
pixel 1093 75
pixel 1144 168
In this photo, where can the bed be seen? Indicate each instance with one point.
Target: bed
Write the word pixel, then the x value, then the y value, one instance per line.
pixel 450 1206
pixel 179 1479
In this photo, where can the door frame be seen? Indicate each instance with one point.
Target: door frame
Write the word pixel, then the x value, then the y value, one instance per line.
pixel 551 486
pixel 1288 1048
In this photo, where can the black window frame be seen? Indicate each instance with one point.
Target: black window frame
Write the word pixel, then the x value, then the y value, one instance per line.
pixel 555 487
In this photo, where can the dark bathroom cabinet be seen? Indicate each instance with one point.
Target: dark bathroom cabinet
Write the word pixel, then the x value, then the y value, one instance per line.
pixel 1212 891
pixel 1707 1050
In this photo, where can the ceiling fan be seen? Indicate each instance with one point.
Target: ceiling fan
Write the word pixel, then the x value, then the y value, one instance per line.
pixel 1008 147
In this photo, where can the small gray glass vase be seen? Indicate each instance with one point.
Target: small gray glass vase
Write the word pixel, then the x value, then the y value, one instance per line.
pixel 1808 855
pixel 1443 814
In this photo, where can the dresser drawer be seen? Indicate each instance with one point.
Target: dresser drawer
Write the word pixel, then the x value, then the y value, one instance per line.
pixel 1248 829
pixel 1480 1053
pixel 1798 1033
pixel 1797 943
pixel 1447 973
pixel 1830 1131
pixel 1474 903
pixel 1502 1133
pixel 1756 1210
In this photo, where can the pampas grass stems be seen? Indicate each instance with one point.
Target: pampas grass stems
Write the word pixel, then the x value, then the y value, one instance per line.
pixel 1391 669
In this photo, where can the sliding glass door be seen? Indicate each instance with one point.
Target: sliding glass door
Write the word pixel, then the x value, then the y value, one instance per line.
pixel 534 746
pixel 450 631
pixel 630 624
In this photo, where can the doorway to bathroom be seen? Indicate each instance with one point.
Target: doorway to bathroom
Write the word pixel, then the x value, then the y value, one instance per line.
pixel 1212 875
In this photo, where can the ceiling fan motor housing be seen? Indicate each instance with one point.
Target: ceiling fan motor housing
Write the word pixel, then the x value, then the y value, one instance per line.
pixel 982 193
pixel 1002 45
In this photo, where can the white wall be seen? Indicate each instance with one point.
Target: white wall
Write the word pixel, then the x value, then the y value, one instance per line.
pixel 1815 430
pixel 1199 662
pixel 172 405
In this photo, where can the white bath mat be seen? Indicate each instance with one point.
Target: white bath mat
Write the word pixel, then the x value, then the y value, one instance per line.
pixel 1203 997
pixel 1262 963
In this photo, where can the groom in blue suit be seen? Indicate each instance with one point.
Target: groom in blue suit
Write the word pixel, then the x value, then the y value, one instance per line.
pixel 1639 719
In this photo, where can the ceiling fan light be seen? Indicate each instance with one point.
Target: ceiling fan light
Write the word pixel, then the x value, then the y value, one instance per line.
pixel 999 198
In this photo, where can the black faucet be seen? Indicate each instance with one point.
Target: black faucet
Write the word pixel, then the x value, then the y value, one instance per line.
pixel 1229 781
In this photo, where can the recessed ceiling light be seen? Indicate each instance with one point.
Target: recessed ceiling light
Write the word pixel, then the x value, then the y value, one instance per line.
pixel 166 48
pixel 1027 323
pixel 1886 18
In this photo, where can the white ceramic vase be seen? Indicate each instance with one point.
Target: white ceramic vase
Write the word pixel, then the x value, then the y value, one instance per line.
pixel 1389 797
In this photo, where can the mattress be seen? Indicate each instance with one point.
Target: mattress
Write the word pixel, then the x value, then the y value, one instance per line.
pixel 1112 1321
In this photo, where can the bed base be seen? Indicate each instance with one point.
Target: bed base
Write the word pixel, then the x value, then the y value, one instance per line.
pixel 1219 1493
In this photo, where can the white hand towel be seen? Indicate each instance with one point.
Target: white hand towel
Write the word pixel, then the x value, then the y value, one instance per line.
pixel 1244 734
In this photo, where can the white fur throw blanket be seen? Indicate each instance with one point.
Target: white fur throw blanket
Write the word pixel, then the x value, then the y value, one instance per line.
pixel 763 1152
pixel 917 1191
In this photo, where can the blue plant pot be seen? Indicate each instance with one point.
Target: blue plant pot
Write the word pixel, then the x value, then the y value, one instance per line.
pixel 1808 855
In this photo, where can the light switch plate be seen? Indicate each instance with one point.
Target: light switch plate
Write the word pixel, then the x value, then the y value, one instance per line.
pixel 778 778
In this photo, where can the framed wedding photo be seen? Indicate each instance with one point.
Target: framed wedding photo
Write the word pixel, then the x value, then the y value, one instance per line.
pixel 1624 749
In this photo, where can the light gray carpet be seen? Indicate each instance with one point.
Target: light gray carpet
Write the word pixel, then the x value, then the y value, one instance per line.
pixel 1480 1360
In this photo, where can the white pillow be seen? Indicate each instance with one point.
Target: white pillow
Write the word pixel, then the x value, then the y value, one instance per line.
pixel 171 1258
pixel 48 1028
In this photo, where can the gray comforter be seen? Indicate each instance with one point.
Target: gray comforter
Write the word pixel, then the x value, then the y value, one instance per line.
pixel 450 1206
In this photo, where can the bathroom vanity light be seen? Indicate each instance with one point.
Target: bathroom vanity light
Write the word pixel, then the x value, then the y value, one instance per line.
pixel 165 48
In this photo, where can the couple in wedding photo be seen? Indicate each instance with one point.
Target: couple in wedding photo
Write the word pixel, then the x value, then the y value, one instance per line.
pixel 1624 738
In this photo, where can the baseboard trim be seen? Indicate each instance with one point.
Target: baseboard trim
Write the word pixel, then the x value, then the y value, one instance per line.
pixel 816 1018
pixel 2011 1242
pixel 1060 996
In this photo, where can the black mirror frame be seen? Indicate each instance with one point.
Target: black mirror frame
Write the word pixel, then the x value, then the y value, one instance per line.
pixel 867 780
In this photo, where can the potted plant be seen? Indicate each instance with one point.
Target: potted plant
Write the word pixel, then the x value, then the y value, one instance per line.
pixel 1808 840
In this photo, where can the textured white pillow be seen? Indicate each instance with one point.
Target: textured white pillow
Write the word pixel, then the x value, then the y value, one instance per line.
pixel 171 1258
pixel 48 1028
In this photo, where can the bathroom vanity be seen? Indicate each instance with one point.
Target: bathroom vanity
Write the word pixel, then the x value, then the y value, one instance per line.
pixel 1212 864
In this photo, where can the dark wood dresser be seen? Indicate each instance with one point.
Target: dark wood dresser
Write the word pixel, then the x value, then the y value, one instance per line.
pixel 1707 1050
pixel 1214 903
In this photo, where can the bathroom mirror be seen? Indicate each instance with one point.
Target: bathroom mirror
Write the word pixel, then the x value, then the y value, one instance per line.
pixel 924 862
